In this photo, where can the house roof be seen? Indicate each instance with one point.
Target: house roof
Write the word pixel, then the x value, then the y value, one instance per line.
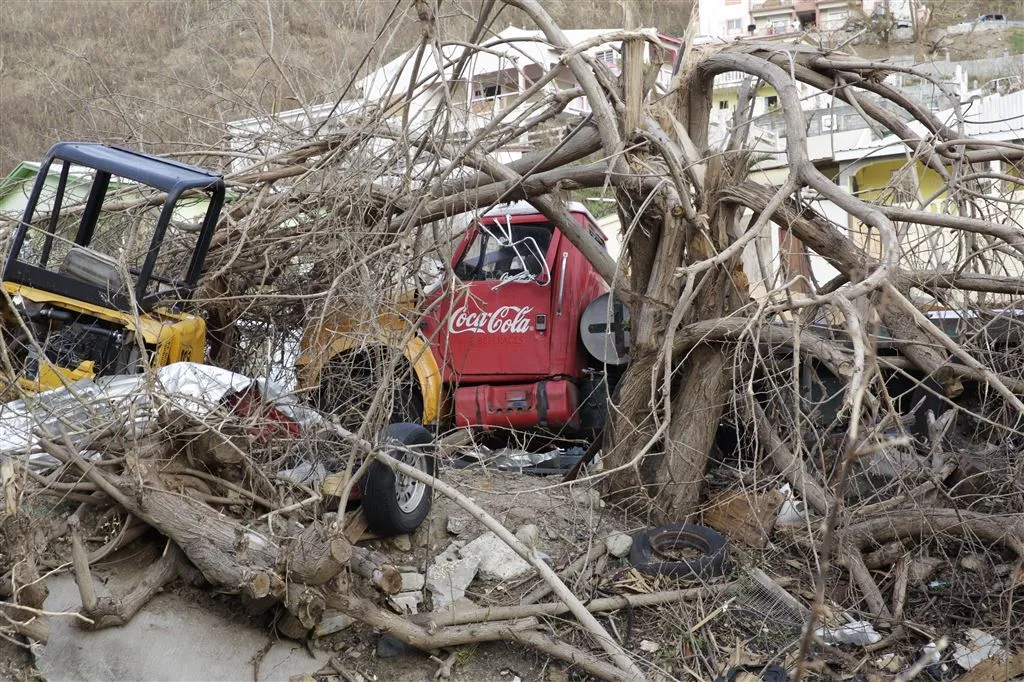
pixel 995 117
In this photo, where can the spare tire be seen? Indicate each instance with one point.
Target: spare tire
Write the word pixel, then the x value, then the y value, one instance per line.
pixel 711 549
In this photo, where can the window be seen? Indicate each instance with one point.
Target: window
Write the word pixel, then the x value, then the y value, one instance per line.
pixel 771 101
pixel 506 252
pixel 722 104
pixel 734 25
pixel 606 56
pixel 489 91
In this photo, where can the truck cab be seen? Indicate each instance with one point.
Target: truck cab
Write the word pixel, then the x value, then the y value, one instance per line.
pixel 505 330
pixel 520 333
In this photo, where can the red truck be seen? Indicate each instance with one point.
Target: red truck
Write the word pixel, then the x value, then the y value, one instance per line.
pixel 524 337
pixel 519 338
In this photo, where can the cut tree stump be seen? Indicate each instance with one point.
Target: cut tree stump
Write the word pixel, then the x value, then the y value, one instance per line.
pixel 744 517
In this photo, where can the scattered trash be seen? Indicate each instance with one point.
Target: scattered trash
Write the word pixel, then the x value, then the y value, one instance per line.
pixel 685 551
pixel 792 511
pixel 891 663
pixel 557 461
pixel 496 560
pixel 618 544
pixel 980 646
pixel 857 632
pixel 758 595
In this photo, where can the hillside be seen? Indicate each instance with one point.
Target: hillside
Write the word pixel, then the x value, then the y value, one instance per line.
pixel 161 74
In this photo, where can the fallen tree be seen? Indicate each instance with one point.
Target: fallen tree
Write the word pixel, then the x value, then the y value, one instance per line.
pixel 720 334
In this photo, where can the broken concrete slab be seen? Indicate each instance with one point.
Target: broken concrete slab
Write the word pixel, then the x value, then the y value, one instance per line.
pixel 412 581
pixel 447 580
pixel 497 561
pixel 171 638
pixel 406 602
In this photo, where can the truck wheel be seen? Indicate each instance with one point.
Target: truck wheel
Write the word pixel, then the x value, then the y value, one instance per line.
pixel 394 504
pixel 347 386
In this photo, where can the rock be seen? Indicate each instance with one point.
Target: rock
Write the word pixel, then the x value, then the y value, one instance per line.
pixel 649 646
pixel 401 542
pixel 922 568
pixel 406 602
pixel 332 621
pixel 587 497
pixel 497 561
pixel 457 524
pixel 972 562
pixel 618 544
pixel 412 582
pixel 448 580
pixel 529 535
pixel 389 647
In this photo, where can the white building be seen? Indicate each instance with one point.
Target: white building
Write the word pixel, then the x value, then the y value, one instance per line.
pixel 729 19
pixel 418 87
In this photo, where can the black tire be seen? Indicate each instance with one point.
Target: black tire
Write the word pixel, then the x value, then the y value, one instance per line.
pixel 394 504
pixel 712 546
pixel 347 386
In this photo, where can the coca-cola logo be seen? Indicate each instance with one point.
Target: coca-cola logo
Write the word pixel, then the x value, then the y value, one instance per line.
pixel 508 319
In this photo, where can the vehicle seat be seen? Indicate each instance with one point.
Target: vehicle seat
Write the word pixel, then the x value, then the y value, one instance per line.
pixel 92 267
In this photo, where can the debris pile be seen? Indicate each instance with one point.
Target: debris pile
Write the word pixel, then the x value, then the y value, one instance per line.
pixel 793 474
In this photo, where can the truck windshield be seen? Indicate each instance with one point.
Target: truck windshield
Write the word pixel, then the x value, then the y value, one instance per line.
pixel 502 251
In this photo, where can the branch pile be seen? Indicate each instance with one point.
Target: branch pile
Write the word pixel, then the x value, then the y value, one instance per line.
pixel 897 435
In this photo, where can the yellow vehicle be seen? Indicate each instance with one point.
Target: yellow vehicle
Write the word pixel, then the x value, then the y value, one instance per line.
pixel 93 285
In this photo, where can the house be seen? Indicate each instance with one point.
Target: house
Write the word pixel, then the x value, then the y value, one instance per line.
pixel 729 19
pixel 877 169
pixel 471 90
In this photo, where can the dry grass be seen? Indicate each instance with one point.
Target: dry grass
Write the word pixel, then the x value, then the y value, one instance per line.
pixel 163 75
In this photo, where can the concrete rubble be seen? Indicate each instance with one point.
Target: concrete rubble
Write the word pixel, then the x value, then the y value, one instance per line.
pixel 618 544
pixel 496 560
pixel 449 576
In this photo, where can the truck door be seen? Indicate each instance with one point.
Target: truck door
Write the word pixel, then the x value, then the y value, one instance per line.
pixel 493 323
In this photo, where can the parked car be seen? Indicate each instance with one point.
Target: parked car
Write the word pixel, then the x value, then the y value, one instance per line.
pixel 990 18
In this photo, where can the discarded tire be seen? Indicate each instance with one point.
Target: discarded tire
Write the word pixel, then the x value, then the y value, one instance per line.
pixel 650 548
pixel 393 503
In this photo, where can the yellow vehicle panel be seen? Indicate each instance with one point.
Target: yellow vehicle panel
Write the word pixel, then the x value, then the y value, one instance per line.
pixel 340 334
pixel 173 337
